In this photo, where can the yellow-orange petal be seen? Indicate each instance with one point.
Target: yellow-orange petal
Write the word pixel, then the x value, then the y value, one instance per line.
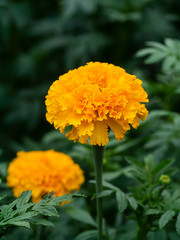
pixel 85 128
pixel 116 128
pixel 135 122
pixel 100 134
pixel 142 112
pixel 73 134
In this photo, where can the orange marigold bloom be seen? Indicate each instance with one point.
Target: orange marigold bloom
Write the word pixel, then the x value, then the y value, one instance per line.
pixel 43 172
pixel 94 98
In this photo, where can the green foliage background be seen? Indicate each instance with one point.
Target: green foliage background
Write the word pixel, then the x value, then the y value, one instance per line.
pixel 39 40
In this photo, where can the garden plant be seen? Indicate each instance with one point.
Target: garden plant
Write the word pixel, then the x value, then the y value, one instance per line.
pixel 90 120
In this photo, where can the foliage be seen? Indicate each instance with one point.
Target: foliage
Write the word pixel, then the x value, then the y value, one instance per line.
pixel 21 212
pixel 40 40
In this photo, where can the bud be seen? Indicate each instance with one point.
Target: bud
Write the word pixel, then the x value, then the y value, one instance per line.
pixel 165 179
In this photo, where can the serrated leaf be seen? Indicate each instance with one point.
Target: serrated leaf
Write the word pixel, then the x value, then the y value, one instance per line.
pixel 55 201
pixel 102 194
pixel 47 211
pixel 80 215
pixel 42 221
pixel 132 202
pixel 7 209
pixel 21 224
pixel 22 217
pixel 40 203
pixel 23 198
pixel 87 235
pixel 178 224
pixel 65 197
pixel 18 211
pixel 165 218
pixel 121 200
pixel 48 196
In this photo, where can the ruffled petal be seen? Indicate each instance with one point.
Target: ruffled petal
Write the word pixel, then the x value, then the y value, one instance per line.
pixel 73 134
pixel 142 112
pixel 85 128
pixel 100 134
pixel 135 122
pixel 116 128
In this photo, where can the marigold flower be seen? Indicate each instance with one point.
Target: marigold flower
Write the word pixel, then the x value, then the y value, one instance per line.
pixel 43 172
pixel 94 98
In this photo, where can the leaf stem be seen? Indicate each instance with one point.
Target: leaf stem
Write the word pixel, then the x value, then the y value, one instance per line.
pixel 98 152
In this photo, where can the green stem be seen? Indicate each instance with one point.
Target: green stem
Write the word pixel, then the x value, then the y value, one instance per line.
pixel 98 152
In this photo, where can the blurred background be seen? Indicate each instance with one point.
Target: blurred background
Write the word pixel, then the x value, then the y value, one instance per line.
pixel 40 40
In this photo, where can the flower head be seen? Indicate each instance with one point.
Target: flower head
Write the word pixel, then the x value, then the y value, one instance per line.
pixel 94 98
pixel 43 172
pixel 164 179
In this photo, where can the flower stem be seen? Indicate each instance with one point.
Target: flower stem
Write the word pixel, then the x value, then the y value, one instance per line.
pixel 98 152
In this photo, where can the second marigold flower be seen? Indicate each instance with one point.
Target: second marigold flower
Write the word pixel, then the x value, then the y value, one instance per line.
pixel 43 172
pixel 94 98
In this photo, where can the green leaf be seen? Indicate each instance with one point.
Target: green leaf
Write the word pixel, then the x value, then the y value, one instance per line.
pixel 102 194
pixel 145 51
pixel 7 209
pixel 109 185
pixel 2 196
pixel 109 176
pixel 165 218
pixel 42 221
pixel 134 161
pixel 23 198
pixel 132 202
pixel 178 224
pixel 80 215
pixel 125 146
pixel 162 166
pixel 152 211
pixel 87 235
pixel 21 224
pixel 158 46
pixel 78 195
pixel 155 57
pixel 47 211
pixel 149 161
pixel 121 200
pixel 22 217
pixel 168 63
pixel 170 43
pixel 55 201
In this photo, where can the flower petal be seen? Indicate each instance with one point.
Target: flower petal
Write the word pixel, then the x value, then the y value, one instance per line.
pixel 142 112
pixel 100 134
pixel 135 122
pixel 85 128
pixel 116 128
